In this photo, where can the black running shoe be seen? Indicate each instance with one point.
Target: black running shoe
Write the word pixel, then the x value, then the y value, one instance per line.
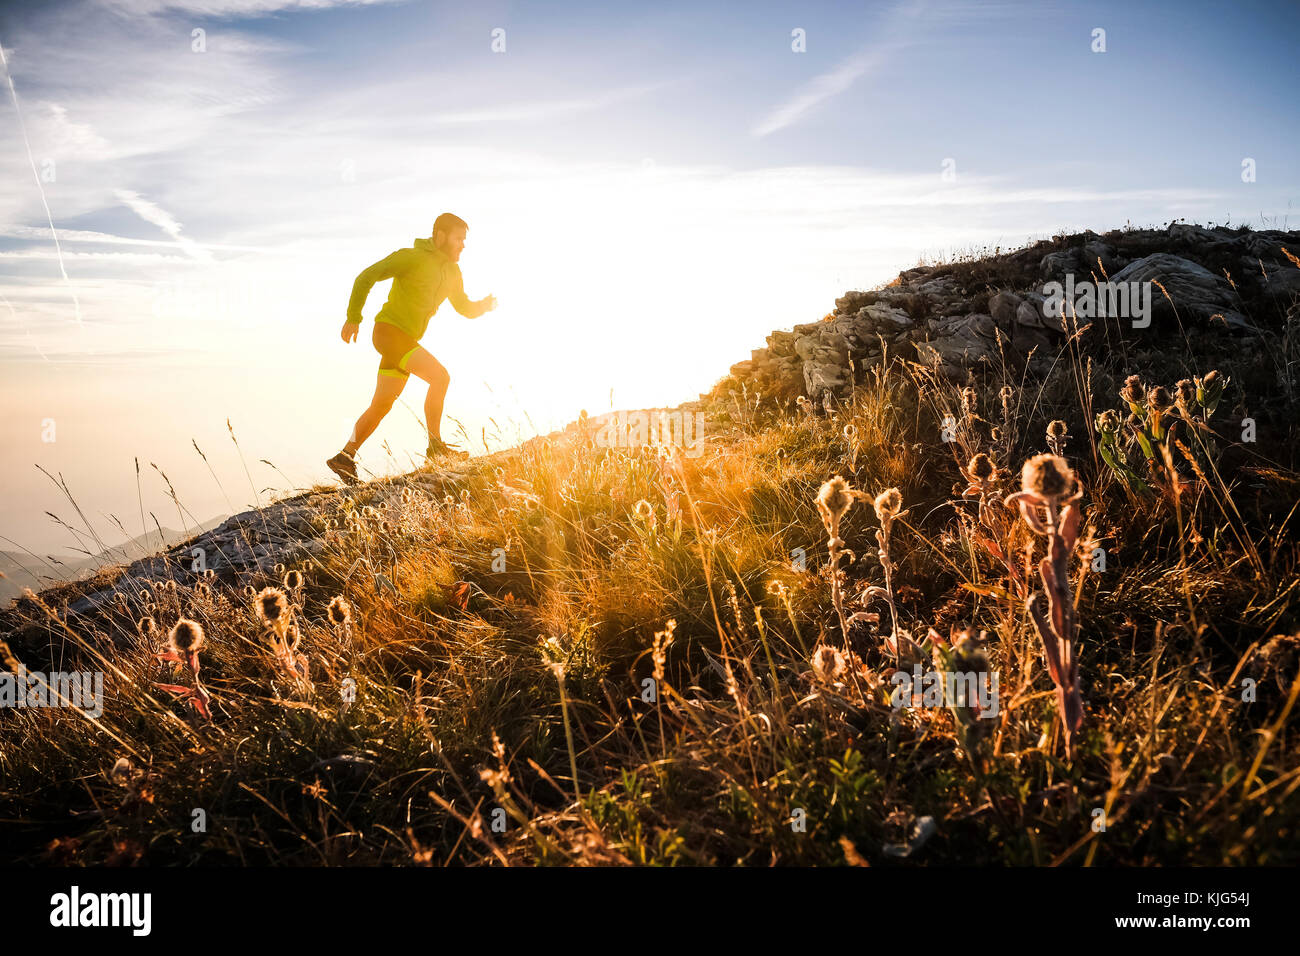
pixel 345 466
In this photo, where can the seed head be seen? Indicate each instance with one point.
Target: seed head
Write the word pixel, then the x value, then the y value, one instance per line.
pixel 340 610
pixel 1185 392
pixel 1132 392
pixel 969 399
pixel 293 580
pixel 828 662
pixel 644 510
pixel 1158 399
pixel 833 500
pixel 272 605
pixel 186 636
pixel 888 503
pixel 1048 476
pixel 1056 429
pixel 982 467
pixel 1108 422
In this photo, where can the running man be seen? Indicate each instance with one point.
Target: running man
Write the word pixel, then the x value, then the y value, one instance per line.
pixel 423 276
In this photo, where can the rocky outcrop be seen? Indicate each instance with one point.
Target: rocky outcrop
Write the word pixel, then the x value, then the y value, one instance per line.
pixel 966 317
pixel 245 548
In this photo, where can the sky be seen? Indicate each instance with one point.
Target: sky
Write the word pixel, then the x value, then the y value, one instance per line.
pixel 188 189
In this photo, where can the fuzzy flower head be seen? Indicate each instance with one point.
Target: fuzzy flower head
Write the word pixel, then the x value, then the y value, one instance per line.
pixel 1133 392
pixel 340 611
pixel 1158 399
pixel 1185 393
pixel 1108 422
pixel 981 467
pixel 273 607
pixel 186 637
pixel 643 510
pixel 1047 476
pixel 833 500
pixel 1056 430
pixel 888 503
pixel 293 580
pixel 1209 390
pixel 828 663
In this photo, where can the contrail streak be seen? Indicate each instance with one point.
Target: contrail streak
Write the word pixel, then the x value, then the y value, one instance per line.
pixel 13 92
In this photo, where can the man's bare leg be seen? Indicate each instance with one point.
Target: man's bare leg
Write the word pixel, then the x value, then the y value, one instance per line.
pixel 387 387
pixel 428 368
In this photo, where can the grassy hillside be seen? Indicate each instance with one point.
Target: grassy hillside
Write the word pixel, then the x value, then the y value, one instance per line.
pixel 571 653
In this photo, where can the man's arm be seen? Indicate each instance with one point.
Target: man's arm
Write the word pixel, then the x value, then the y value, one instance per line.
pixel 460 302
pixel 386 268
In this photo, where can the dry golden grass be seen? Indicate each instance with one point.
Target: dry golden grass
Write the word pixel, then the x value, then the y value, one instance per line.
pixel 462 713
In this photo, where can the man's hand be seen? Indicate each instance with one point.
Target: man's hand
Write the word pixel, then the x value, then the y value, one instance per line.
pixel 349 332
pixel 490 302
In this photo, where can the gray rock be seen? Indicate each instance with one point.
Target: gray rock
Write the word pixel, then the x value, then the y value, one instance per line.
pixel 1055 265
pixel 885 318
pixel 1195 291
pixel 1004 307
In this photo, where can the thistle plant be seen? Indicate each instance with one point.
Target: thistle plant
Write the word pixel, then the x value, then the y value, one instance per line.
pixel 888 504
pixel 1057 433
pixel 340 612
pixel 1209 390
pixel 277 614
pixel 851 438
pixel 833 502
pixel 962 654
pixel 992 526
pixel 1158 419
pixel 184 642
pixel 1048 502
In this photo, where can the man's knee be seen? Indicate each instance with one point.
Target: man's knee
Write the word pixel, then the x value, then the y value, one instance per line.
pixel 441 378
pixel 381 406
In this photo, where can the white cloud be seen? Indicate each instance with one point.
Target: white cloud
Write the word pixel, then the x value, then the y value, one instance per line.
pixel 230 8
pixel 821 88
pixel 537 112
pixel 155 214
pixel 108 239
pixel 892 33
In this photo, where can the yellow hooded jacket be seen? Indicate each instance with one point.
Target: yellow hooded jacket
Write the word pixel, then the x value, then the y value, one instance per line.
pixel 422 277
